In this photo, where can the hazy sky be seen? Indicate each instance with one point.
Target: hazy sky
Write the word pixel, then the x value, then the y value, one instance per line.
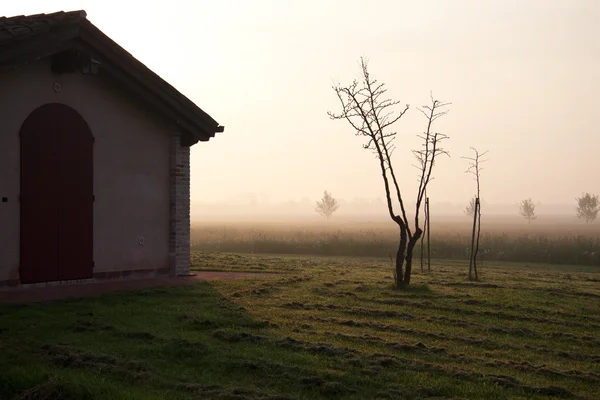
pixel 523 77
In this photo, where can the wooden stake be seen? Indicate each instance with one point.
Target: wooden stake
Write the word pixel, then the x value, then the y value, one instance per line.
pixel 428 236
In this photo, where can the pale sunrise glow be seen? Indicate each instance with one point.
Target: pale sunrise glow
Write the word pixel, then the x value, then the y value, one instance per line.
pixel 523 78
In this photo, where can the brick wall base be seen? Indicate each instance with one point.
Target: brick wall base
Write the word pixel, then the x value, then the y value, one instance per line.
pixel 179 207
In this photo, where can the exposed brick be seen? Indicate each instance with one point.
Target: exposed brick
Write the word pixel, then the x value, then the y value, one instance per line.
pixel 179 207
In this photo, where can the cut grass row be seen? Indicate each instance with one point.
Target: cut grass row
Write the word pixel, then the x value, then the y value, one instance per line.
pixel 327 327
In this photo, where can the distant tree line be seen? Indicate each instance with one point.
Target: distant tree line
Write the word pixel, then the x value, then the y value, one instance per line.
pixel 588 206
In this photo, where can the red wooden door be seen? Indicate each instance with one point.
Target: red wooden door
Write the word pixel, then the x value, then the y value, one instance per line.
pixel 39 200
pixel 56 196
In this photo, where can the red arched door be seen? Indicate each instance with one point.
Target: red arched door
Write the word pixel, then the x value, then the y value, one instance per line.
pixel 56 195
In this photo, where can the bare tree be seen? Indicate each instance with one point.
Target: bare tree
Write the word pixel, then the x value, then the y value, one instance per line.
pixel 327 206
pixel 527 210
pixel 371 114
pixel 588 206
pixel 475 206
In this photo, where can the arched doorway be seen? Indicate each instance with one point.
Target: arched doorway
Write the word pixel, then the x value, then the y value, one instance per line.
pixel 56 195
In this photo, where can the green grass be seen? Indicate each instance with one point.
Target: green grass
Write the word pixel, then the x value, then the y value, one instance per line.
pixel 327 327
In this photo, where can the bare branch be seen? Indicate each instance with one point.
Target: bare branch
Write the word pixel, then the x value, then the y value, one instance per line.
pixel 431 149
pixel 370 113
pixel 475 165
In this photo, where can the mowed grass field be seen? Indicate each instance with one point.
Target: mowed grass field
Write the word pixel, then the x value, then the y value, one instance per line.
pixel 323 328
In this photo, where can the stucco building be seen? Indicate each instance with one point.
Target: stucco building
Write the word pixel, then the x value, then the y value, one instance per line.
pixel 94 157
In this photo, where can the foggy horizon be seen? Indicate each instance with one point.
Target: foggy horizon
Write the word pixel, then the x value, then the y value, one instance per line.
pixel 250 207
pixel 522 77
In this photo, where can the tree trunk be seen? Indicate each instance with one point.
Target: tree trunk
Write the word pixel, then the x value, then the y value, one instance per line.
pixel 477 239
pixel 476 205
pixel 409 255
pixel 400 258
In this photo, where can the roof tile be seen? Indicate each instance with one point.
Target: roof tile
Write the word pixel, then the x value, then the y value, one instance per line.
pixel 21 26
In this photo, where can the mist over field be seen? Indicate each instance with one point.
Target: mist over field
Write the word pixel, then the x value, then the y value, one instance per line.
pixel 366 230
pixel 250 208
pixel 362 227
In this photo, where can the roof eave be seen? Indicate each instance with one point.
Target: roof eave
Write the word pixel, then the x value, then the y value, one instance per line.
pixel 190 115
pixel 80 34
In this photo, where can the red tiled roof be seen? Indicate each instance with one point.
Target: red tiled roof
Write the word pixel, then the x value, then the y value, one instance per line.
pixel 26 39
pixel 21 26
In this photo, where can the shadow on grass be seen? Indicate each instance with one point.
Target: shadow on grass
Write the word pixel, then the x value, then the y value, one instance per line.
pixel 156 343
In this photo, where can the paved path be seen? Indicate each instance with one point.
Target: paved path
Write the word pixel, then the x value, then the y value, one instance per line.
pixel 95 288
